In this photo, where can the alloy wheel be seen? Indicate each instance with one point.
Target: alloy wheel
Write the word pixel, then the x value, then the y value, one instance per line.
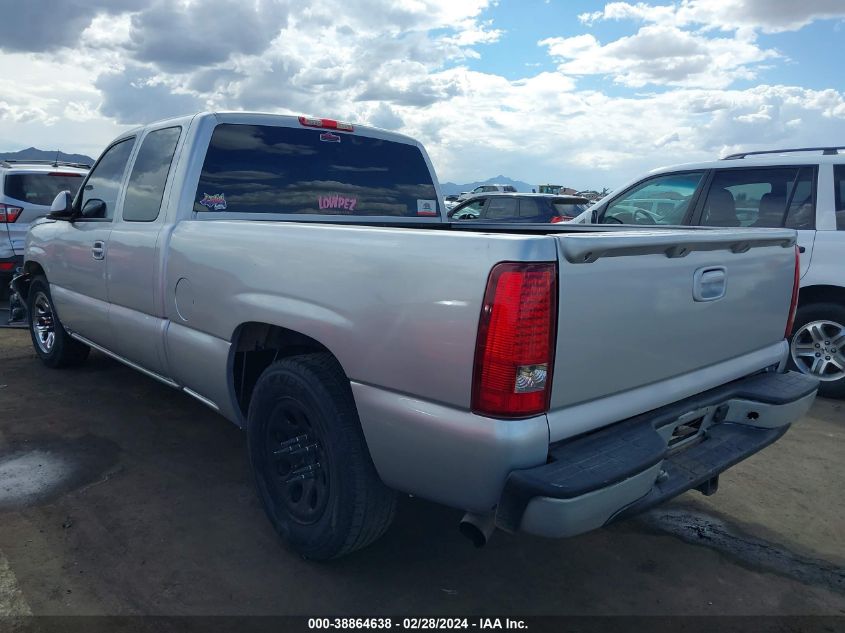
pixel 818 348
pixel 44 323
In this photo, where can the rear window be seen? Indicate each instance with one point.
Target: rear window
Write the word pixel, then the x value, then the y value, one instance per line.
pixel 267 169
pixel 40 188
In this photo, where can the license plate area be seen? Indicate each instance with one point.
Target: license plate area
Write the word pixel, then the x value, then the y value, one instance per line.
pixel 688 429
pixel 685 432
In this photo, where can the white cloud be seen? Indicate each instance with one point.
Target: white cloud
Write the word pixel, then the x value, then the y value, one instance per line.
pixel 22 114
pixel 403 65
pixel 677 45
pixel 662 55
pixel 769 16
pixel 589 139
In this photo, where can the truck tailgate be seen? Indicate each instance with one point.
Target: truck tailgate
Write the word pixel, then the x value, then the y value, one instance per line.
pixel 643 307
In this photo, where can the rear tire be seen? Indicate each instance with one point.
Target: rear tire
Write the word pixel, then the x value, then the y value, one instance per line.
pixel 52 343
pixel 313 472
pixel 817 346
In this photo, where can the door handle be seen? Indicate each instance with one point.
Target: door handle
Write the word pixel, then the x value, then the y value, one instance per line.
pixel 98 251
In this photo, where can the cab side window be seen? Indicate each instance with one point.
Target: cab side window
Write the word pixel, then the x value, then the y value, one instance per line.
pixel 839 195
pixel 145 188
pixel 101 190
pixel 659 200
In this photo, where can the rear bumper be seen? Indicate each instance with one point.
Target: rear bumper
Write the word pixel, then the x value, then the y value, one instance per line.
pixel 633 465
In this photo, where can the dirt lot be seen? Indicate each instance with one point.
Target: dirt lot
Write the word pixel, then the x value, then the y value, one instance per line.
pixel 121 496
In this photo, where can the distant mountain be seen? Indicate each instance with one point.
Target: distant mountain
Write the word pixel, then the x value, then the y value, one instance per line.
pixel 450 188
pixel 33 153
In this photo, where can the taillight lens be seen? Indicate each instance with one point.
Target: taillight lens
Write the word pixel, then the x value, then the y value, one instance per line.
pixel 793 306
pixel 7 266
pixel 514 353
pixel 8 213
pixel 561 218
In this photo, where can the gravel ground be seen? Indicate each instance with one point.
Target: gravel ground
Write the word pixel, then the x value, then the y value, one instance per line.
pixel 120 496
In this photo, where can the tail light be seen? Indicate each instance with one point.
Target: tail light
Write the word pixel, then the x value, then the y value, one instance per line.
pixel 793 306
pixel 8 213
pixel 514 354
pixel 328 124
pixel 7 266
pixel 561 218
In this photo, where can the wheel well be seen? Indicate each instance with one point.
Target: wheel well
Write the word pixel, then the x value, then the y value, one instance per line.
pixel 255 346
pixel 821 294
pixel 33 269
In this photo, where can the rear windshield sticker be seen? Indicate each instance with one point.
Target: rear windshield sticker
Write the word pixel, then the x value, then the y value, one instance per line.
pixel 328 137
pixel 337 201
pixel 214 201
pixel 426 207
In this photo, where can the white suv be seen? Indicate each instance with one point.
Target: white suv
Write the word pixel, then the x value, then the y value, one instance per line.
pixel 487 189
pixel 803 189
pixel 27 189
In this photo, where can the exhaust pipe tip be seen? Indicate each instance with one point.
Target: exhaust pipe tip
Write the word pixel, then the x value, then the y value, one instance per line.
pixel 478 528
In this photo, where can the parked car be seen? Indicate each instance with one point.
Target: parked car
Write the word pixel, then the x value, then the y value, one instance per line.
pixel 487 189
pixel 801 189
pixel 450 201
pixel 27 189
pixel 520 207
pixel 307 312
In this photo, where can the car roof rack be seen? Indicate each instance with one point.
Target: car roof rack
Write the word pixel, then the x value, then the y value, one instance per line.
pixel 11 162
pixel 827 151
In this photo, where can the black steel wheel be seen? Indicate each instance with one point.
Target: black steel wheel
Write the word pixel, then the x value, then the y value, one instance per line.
pixel 293 444
pixel 313 472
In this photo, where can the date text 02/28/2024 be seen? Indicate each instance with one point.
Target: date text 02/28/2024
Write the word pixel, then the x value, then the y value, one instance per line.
pixel 417 623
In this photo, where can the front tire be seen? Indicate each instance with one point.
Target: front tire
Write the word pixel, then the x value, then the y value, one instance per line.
pixel 313 472
pixel 52 343
pixel 817 346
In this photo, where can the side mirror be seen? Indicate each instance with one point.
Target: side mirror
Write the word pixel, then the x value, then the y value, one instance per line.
pixel 62 207
pixel 94 208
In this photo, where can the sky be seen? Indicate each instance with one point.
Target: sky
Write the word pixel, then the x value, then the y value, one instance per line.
pixel 583 94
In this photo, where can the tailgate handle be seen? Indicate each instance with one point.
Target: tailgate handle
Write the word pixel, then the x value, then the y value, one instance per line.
pixel 98 251
pixel 709 284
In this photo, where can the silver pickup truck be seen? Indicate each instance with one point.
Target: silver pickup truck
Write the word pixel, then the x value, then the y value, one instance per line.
pixel 299 276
